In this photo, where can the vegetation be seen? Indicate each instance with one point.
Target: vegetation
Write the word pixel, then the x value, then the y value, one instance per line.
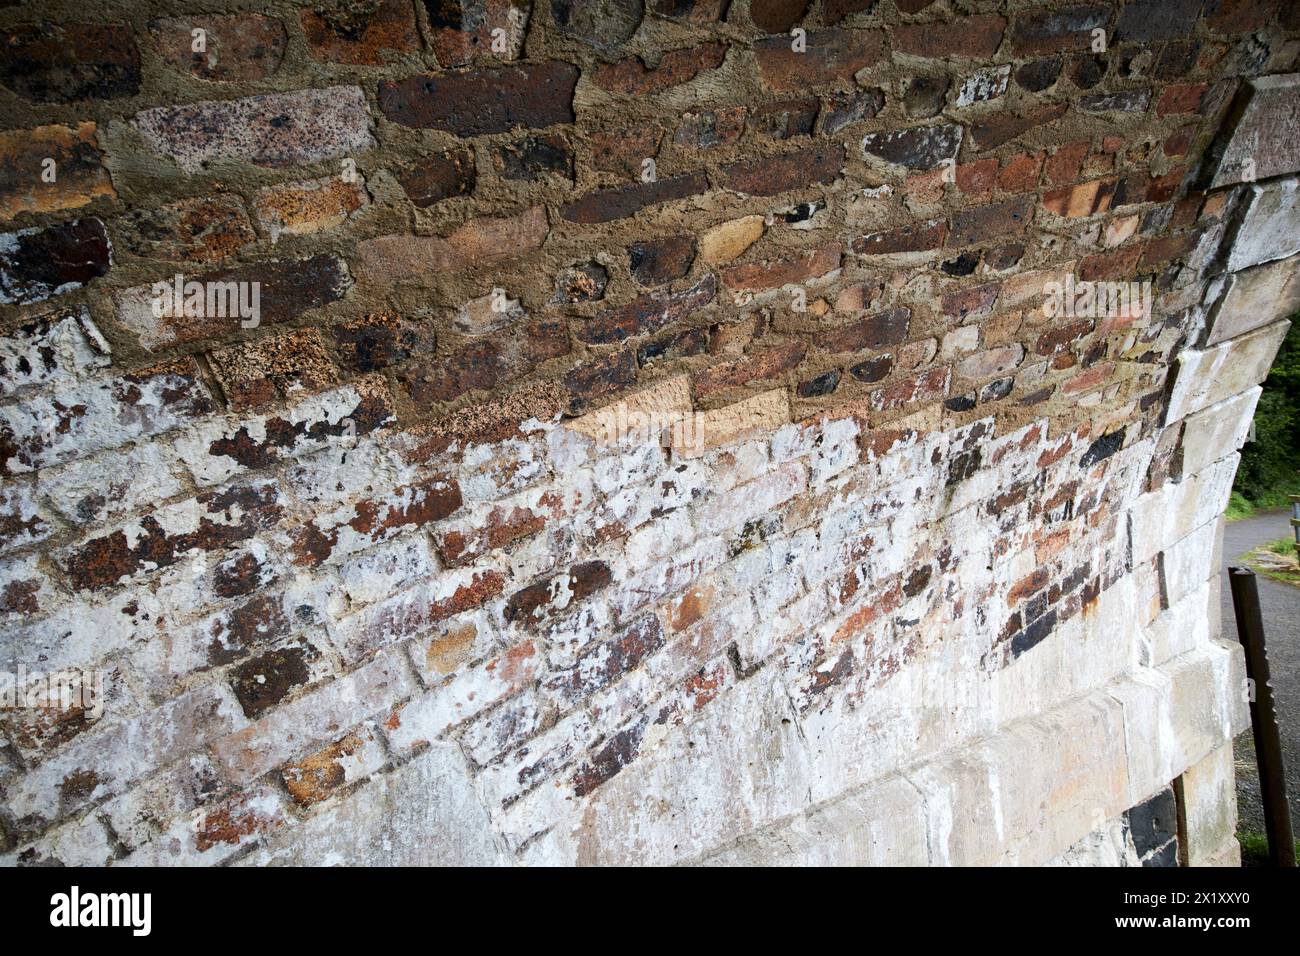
pixel 1254 848
pixel 1270 464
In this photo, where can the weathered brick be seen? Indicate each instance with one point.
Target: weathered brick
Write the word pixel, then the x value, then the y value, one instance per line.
pixel 203 230
pixel 241 46
pixel 69 62
pixel 784 119
pixel 266 680
pixel 594 380
pixel 973 37
pixel 286 289
pixel 606 205
pixel 831 55
pixel 709 129
pixel 1003 127
pixel 625 150
pixel 810 166
pixel 54 347
pixel 647 313
pixel 489 100
pixel 920 147
pixel 313 205
pixel 1147 21
pixel 438 176
pixel 38 263
pixel 874 332
pixel 656 261
pixel 381 339
pixel 462 30
pixel 212 521
pixel 256 374
pixel 606 26
pixel 478 243
pixel 351 758
pixel 1067 28
pixel 533 157
pixel 275 129
pixel 486 364
pixel 916 237
pixel 787 270
pixel 1085 199
pixel 758 366
pixel 78 167
pixel 980 223
pixel 368 34
pixel 631 77
pixel 1181 98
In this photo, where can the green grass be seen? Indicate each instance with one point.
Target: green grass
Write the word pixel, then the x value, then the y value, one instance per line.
pixel 1239 506
pixel 1254 848
pixel 1283 546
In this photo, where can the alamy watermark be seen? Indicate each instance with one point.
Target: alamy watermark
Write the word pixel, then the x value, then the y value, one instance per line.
pixel 209 300
pixel 1096 300
pixel 683 431
pixel 53 690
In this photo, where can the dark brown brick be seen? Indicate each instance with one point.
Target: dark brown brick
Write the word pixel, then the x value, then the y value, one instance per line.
pixel 536 603
pixel 656 261
pixel 973 37
pixel 1067 28
pixel 874 332
pixel 1004 127
pixel 374 342
pixel 606 205
pixel 594 380
pixel 916 237
pixel 785 119
pixel 777 174
pixel 438 176
pixel 191 230
pixel 632 77
pixel 263 682
pixel 995 219
pixel 831 55
pixel 74 61
pixel 534 157
pixel 777 16
pixel 489 100
pixel 38 263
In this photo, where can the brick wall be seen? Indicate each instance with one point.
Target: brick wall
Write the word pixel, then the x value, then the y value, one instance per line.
pixel 653 438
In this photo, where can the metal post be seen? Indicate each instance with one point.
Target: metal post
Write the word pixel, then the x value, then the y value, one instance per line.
pixel 1263 717
pixel 1295 522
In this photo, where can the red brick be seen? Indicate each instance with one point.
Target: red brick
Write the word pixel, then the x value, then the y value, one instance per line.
pixel 242 46
pixel 757 366
pixel 1181 98
pixel 812 165
pixel 365 34
pixel 631 77
pixel 831 55
pixel 437 176
pixel 485 364
pixel 916 237
pixel 784 271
